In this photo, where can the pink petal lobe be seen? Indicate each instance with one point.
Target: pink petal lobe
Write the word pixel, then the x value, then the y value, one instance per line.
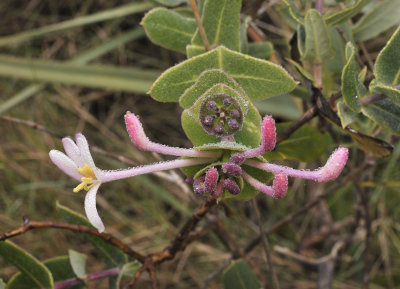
pixel 72 151
pixel 83 146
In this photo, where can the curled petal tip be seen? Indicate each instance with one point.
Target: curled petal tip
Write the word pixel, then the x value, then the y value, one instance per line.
pixel 135 131
pixel 334 165
pixel 268 134
pixel 279 186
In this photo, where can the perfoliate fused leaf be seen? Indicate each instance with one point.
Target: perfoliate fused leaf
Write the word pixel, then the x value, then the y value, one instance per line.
pixel 258 78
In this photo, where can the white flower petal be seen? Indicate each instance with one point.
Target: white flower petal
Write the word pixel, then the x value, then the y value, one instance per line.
pixel 84 149
pixel 65 164
pixel 72 151
pixel 91 210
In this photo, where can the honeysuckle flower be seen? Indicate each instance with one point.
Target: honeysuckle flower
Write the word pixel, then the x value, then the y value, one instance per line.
pixel 213 181
pixel 77 162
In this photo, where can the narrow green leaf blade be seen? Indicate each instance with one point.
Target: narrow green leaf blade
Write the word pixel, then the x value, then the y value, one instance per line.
pixel 379 19
pixel 346 116
pixel 385 113
pixel 258 78
pixel 78 263
pixel 60 269
pixel 102 76
pixel 392 92
pixel 117 12
pixel 112 255
pixel 240 276
pixel 294 12
pixel 346 13
pixel 387 65
pixel 38 273
pixel 221 21
pixel 318 44
pixel 169 29
pixel 262 50
pixel 128 270
pixel 351 83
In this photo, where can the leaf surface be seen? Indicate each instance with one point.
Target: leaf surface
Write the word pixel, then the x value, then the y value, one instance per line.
pixel 240 276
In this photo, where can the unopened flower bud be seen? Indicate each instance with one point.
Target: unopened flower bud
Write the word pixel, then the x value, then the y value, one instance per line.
pixel 231 186
pixel 211 180
pixel 237 159
pixel 198 186
pixel 227 101
pixel 212 105
pixel 232 169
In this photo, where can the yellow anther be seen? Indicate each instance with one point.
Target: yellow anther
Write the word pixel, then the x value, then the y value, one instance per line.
pixel 87 171
pixel 87 180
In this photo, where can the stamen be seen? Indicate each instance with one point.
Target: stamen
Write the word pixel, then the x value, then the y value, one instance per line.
pixel 87 171
pixel 84 185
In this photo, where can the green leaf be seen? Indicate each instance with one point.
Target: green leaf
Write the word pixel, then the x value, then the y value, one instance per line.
pixel 169 29
pixel 205 81
pixel 60 269
pixel 112 255
pixel 281 106
pixel 301 69
pixel 346 13
pixel 346 116
pixel 128 270
pixel 78 263
pixel 80 58
pixel 38 273
pixel 259 79
pixel 294 12
pixel 305 144
pixel 385 113
pixel 392 92
pixel 318 44
pixel 171 3
pixel 244 43
pixel 104 76
pixel 109 14
pixel 240 276
pixel 2 284
pixel 387 65
pixel 352 87
pixel 262 50
pixel 221 21
pixel 379 19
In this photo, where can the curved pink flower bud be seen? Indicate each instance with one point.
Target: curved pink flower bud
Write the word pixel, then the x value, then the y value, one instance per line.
pixel 231 186
pixel 329 172
pixel 278 189
pixel 232 169
pixel 268 139
pixel 211 180
pixel 141 141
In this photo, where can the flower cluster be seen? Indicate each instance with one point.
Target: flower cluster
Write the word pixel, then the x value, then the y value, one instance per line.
pixel 217 175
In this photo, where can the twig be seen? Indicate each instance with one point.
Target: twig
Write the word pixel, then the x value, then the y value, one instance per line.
pixel 306 117
pixel 267 250
pixel 30 225
pixel 200 25
pixel 215 273
pixel 32 125
pixel 93 276
pixel 179 243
